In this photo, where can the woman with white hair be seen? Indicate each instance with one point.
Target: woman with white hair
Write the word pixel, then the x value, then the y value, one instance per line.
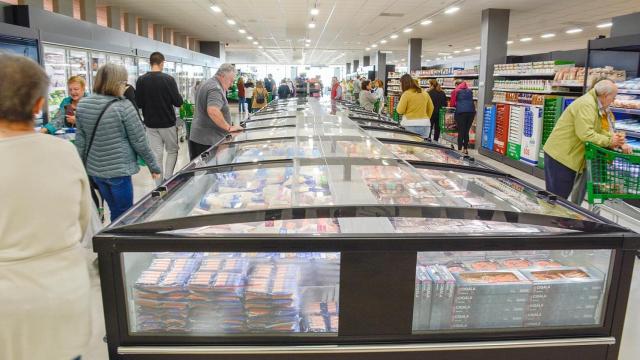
pixel 45 301
pixel 587 119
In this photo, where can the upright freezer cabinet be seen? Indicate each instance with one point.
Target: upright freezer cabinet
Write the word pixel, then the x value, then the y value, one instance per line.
pixel 341 255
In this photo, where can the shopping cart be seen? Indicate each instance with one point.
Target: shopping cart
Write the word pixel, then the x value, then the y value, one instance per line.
pixel 611 174
pixel 447 120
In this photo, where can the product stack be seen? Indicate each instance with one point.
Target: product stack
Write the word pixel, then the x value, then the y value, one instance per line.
pixel 516 125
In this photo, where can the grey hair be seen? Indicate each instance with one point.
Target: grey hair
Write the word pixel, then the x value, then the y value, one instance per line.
pixel 605 87
pixel 23 82
pixel 225 69
pixel 110 80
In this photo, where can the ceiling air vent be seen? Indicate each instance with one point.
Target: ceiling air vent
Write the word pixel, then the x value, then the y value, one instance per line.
pixel 391 14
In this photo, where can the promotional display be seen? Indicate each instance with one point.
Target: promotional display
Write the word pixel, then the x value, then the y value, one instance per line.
pixel 531 135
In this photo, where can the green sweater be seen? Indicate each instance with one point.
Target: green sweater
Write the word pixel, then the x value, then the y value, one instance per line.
pixel 578 124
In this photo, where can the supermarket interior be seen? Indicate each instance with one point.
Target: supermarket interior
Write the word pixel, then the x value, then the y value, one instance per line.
pixel 319 179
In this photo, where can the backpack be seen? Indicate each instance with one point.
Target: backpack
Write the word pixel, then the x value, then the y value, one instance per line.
pixel 260 98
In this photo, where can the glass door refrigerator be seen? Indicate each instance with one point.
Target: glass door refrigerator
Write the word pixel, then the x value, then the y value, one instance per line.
pixel 79 65
pixel 132 69
pixel 97 59
pixel 56 64
pixel 306 237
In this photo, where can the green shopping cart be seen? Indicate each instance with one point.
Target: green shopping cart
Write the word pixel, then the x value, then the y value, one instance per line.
pixel 611 174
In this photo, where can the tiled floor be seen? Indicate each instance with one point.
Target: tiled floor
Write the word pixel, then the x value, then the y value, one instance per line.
pixel 143 184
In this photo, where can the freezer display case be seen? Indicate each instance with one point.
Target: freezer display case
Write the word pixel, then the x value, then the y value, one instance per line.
pixel 392 134
pixel 413 152
pixel 324 246
pixel 79 65
pixel 56 65
pixel 132 69
pixel 97 59
pixel 143 66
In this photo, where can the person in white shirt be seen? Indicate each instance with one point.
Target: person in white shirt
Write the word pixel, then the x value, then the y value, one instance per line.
pixel 249 87
pixel 46 207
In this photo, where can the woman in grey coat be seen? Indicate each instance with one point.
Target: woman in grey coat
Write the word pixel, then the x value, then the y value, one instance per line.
pixel 366 97
pixel 109 145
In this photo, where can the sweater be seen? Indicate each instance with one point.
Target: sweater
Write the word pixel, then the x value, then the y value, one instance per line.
pixel 367 99
pixel 579 123
pixel 415 105
pixel 44 280
pixel 439 99
pixel 119 139
pixel 157 96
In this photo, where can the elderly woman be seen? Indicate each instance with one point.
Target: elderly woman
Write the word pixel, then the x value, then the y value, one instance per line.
pixel 44 280
pixel 587 119
pixel 66 115
pixel 110 136
pixel 366 97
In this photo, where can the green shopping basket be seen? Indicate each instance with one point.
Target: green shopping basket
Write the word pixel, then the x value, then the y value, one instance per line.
pixel 611 174
pixel 447 120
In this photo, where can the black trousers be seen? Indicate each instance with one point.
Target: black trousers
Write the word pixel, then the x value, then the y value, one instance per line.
pixel 196 149
pixel 558 178
pixel 463 122
pixel 435 128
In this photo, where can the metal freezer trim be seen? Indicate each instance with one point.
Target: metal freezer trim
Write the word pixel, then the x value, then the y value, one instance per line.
pixel 354 349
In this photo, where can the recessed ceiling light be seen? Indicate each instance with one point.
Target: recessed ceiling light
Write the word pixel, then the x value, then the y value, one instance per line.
pixel 216 8
pixel 231 22
pixel 457 52
pixel 249 37
pixel 604 25
pixel 308 40
pixel 255 43
pixel 314 11
pixel 367 49
pixel 443 53
pixel 452 10
pixel 307 45
pixel 407 30
pixel 421 56
pixel 426 22
pixel 394 36
pixel 438 59
pixel 467 50
pixel 478 47
pixel 374 45
pixel 312 25
pixel 547 36
pixel 509 42
pixel 383 41
pixel 428 59
pixel 402 60
pixel 526 39
pixel 574 31
pixel 242 31
pixel 260 47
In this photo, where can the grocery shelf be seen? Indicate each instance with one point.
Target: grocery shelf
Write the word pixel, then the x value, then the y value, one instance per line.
pixel 629 91
pixel 626 111
pixel 453 87
pixel 631 133
pixel 524 167
pixel 447 76
pixel 569 83
pixel 515 103
pixel 524 75
pixel 548 92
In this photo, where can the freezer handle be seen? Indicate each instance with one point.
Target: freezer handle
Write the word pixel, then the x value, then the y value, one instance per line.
pixel 343 349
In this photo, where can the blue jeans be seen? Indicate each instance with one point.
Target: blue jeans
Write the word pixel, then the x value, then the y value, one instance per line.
pixel 117 192
pixel 420 130
pixel 241 102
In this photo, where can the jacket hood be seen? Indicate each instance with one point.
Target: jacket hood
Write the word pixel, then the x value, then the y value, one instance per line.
pixel 463 85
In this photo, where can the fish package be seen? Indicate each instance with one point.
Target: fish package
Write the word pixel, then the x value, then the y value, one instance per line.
pixel 489 310
pixel 565 279
pixel 211 264
pixel 185 265
pixel 160 264
pixel 235 266
pixel 553 314
pixel 422 299
pixel 491 283
pixel 228 285
pixel 482 265
pixel 316 324
pixel 149 281
pixel 502 299
pixel 443 290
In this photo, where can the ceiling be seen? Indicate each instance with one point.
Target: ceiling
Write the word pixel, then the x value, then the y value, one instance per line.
pixel 345 28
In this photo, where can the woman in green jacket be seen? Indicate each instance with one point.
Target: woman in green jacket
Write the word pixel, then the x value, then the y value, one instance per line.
pixel 66 115
pixel 587 119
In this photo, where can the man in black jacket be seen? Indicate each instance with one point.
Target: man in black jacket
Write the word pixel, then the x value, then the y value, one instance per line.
pixel 157 96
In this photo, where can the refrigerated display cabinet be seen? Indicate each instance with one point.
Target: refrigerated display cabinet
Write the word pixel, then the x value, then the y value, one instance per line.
pixel 56 65
pixel 309 244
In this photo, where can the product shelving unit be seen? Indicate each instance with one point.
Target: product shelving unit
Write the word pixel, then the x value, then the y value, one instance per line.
pixel 318 241
pixel 393 91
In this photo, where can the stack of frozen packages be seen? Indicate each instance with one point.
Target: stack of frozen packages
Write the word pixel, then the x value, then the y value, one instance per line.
pixel 422 299
pixel 216 294
pixel 443 291
pixel 161 295
pixel 564 296
pixel 321 317
pixel 488 299
pixel 310 186
pixel 271 299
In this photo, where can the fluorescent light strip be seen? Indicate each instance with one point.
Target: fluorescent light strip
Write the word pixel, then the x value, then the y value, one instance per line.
pixel 394 36
pixel 216 8
pixel 574 31
pixel 547 36
pixel 452 10
pixel 604 25
pixel 526 39
pixel 407 30
pixel 426 22
pixel 231 22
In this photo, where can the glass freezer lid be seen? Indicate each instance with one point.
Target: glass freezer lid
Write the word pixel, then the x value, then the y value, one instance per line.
pixel 383 134
pixel 268 133
pixel 416 152
pixel 263 150
pixel 270 123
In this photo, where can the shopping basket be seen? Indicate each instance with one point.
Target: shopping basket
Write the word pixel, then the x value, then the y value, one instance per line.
pixel 611 174
pixel 447 120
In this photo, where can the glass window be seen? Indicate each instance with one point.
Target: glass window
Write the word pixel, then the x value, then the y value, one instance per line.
pixel 226 294
pixel 524 290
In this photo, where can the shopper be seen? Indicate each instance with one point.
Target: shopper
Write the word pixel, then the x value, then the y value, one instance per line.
pixel 415 106
pixel 45 306
pixel 110 137
pixel 291 87
pixel 587 119
pixel 379 92
pixel 260 97
pixel 357 87
pixel 284 91
pixel 130 94
pixel 157 96
pixel 439 99
pixel 212 118
pixel 336 89
pixel 249 87
pixel 367 98
pixel 462 101
pixel 270 85
pixel 241 94
pixel 66 115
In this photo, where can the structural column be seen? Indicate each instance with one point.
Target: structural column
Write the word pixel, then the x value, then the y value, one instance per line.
pixel 38 4
pixel 366 60
pixel 494 33
pixel 348 68
pixel 158 32
pixel 415 50
pixel 193 44
pixel 180 40
pixel 356 65
pixel 113 17
pixel 381 66
pixel 143 27
pixel 64 7
pixel 130 23
pixel 88 11
pixel 167 36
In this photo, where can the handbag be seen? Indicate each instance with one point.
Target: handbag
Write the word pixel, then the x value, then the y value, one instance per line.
pixel 94 187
